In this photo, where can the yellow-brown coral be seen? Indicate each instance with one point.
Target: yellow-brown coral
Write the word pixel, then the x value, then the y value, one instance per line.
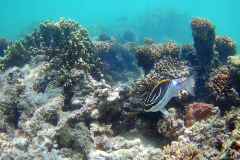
pixel 222 88
pixel 225 47
pixel 182 151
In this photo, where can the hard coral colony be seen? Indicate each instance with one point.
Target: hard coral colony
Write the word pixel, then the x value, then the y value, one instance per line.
pixel 62 96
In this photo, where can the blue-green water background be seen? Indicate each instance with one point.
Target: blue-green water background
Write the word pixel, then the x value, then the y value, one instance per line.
pixel 15 14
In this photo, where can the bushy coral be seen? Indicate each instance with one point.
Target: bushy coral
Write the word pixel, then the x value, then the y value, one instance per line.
pixel 4 44
pixel 188 52
pixel 203 33
pixel 65 43
pixel 101 47
pixel 146 57
pixel 222 85
pixel 225 47
pixel 148 54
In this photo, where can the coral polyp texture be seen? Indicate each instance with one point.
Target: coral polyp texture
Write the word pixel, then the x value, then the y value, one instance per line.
pixel 222 86
pixel 203 33
pixel 225 47
pixel 64 96
pixel 65 43
pixel 149 53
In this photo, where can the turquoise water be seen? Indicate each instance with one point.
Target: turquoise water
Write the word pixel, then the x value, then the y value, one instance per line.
pixel 16 14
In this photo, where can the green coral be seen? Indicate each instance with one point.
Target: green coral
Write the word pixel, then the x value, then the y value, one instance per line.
pixel 65 43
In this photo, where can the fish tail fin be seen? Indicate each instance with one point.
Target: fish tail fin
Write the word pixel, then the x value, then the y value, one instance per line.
pixel 190 83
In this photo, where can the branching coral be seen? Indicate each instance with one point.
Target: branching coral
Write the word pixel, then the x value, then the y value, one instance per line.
pixel 181 150
pixel 171 126
pixel 188 52
pixel 65 44
pixel 222 85
pixel 4 44
pixel 149 53
pixel 101 47
pixel 225 47
pixel 146 57
pixel 203 33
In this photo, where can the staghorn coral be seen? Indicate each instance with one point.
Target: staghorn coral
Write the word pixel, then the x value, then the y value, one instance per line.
pixel 225 47
pixel 188 52
pixel 196 112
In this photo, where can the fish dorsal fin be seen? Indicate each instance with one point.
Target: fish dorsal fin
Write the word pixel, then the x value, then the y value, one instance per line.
pixel 162 82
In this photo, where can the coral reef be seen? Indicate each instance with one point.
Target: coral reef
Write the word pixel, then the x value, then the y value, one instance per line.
pixel 4 44
pixel 196 112
pixel 65 43
pixel 203 33
pixel 64 96
pixel 147 55
pixel 221 85
pixel 225 47
pixel 188 52
pixel 234 60
pixel 101 47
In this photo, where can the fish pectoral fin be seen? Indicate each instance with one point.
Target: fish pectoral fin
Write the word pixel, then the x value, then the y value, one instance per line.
pixel 164 111
pixel 177 94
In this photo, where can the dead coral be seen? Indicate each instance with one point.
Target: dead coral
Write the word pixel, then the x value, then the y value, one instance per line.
pixel 196 112
pixel 225 47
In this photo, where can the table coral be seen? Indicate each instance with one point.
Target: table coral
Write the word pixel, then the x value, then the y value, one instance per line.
pixel 225 47
pixel 196 112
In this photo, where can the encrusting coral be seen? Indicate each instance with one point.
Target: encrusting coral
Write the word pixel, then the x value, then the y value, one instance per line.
pixel 225 47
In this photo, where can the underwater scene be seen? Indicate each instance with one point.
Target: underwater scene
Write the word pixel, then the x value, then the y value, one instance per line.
pixel 119 80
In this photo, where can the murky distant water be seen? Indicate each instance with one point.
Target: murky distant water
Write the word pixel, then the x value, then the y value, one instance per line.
pixel 16 14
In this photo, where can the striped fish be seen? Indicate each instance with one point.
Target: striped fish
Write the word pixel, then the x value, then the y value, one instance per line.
pixel 165 90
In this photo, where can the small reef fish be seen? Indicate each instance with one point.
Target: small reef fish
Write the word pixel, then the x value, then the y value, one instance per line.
pixel 165 90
